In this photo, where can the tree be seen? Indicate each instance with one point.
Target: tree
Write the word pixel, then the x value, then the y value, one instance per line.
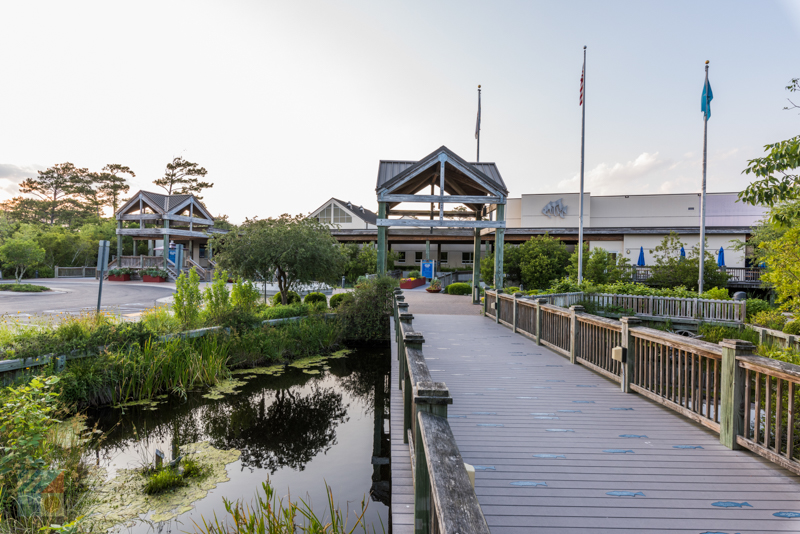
pixel 21 254
pixel 671 270
pixel 511 265
pixel 182 178
pixel 111 185
pixel 291 251
pixel 600 266
pixel 778 182
pixel 59 192
pixel 362 260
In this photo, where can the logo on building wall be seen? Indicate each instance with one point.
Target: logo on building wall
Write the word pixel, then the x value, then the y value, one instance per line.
pixel 555 208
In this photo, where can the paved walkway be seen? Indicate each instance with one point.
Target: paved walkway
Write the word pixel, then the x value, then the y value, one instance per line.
pixel 559 449
pixel 420 302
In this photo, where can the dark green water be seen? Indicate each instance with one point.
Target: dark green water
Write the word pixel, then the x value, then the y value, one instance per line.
pixel 298 430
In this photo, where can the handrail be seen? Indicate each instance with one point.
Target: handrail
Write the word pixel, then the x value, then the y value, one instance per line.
pixel 749 400
pixel 444 500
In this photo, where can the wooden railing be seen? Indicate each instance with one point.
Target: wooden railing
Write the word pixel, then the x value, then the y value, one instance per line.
pixel 205 274
pixel 444 499
pixel 140 262
pixel 738 275
pixel 75 272
pixel 767 336
pixel 749 400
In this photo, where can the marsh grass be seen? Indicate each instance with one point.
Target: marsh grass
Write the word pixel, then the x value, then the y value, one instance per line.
pixel 168 477
pixel 268 514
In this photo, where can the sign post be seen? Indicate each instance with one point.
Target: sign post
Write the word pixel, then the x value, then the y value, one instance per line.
pixel 102 265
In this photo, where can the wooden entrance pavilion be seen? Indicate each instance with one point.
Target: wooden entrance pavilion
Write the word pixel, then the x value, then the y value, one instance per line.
pixel 459 182
pixel 166 219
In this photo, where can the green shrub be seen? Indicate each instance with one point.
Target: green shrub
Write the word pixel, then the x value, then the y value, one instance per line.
pixel 716 333
pixel 187 299
pixel 367 317
pixel 792 327
pixel 459 288
pixel 315 297
pixel 341 298
pixel 755 306
pixel 415 274
pixel 23 288
pixel 716 293
pixel 291 298
pixel 119 272
pixel 244 294
pixel 163 480
pixel 784 355
pixel 511 290
pixel 217 298
pixel 772 319
pixel 281 312
pixel 155 272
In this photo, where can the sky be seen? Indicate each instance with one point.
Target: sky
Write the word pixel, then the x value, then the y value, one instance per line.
pixel 287 104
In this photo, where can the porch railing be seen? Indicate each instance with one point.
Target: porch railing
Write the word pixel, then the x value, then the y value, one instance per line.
pixel 75 272
pixel 748 399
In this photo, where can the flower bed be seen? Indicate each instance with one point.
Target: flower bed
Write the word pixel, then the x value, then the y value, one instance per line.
pixel 411 283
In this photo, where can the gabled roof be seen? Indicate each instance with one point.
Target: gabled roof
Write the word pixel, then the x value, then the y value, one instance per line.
pixel 392 172
pixel 368 216
pixel 164 203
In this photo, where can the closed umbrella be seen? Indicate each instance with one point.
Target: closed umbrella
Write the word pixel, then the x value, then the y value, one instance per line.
pixel 721 257
pixel 640 263
pixel 683 253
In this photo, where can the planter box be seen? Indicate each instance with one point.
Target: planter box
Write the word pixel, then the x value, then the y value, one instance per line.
pixel 119 278
pixel 431 290
pixel 147 278
pixel 419 282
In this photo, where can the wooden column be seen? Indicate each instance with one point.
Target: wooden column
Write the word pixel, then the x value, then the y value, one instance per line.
pixel 119 243
pixel 498 249
pixel 732 376
pixel 476 265
pixel 381 240
pixel 166 243
pixel 574 332
pixel 629 348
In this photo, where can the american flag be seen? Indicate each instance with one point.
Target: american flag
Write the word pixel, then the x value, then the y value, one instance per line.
pixel 582 71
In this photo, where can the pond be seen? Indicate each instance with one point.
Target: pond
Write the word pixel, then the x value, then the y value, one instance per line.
pixel 297 429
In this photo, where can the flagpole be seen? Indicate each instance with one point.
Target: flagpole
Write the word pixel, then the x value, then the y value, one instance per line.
pixel 583 143
pixel 478 127
pixel 703 192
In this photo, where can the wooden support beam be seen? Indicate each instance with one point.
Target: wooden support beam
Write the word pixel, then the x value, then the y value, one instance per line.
pixel 440 224
pixel 165 217
pixel 150 233
pixel 447 199
pixel 420 213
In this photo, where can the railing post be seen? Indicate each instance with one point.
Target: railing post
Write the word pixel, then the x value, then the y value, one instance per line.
pixel 497 305
pixel 629 346
pixel 538 303
pixel 485 303
pixel 574 332
pixel 731 420
pixel 402 366
pixel 412 340
pixel 516 310
pixel 422 485
pixel 56 271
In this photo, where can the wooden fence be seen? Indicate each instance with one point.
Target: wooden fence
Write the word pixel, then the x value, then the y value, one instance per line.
pixel 456 276
pixel 692 309
pixel 776 338
pixel 748 399
pixel 444 500
pixel 75 272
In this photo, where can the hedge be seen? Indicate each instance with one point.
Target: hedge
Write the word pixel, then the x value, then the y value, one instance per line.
pixel 311 298
pixel 341 298
pixel 292 298
pixel 459 288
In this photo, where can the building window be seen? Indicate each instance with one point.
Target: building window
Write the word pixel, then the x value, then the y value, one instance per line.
pixel 467 258
pixel 443 257
pixel 402 257
pixel 202 251
pixel 418 257
pixel 340 216
pixel 325 215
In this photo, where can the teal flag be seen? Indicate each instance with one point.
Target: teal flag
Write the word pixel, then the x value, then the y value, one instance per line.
pixel 708 96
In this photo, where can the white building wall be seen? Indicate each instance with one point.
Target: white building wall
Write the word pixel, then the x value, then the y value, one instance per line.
pixel 531 215
pixel 454 253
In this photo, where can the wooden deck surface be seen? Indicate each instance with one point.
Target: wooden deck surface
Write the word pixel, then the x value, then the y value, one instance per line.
pixel 514 400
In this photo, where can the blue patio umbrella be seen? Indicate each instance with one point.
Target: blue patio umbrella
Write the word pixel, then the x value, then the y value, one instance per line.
pixel 683 253
pixel 640 263
pixel 721 257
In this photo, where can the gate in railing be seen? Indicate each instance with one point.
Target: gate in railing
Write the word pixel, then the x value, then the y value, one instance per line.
pixel 749 400
pixel 444 500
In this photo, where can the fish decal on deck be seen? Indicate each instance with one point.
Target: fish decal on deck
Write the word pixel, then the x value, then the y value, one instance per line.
pixel 549 456
pixel 786 514
pixel 487 424
pixel 583 402
pixel 624 493
pixel 570 411
pixel 730 504
pixel 484 413
pixel 619 451
pixel 528 483
pixel 621 409
pixel 632 436
pixel 559 430
pixel 456 416
pixel 687 447
pixel 484 468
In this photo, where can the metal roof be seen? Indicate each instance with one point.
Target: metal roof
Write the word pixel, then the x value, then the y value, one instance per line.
pixel 388 169
pixel 161 200
pixel 367 216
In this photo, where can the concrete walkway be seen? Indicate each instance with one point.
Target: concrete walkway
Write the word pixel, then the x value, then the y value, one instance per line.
pixel 559 449
pixel 420 302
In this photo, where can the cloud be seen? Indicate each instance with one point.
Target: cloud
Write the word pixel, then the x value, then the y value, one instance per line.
pixel 635 176
pixel 11 175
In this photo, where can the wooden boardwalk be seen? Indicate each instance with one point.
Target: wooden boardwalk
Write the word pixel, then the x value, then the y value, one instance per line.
pixel 550 441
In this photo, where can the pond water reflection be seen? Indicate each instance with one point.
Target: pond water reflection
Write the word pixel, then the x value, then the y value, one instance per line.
pixel 297 429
